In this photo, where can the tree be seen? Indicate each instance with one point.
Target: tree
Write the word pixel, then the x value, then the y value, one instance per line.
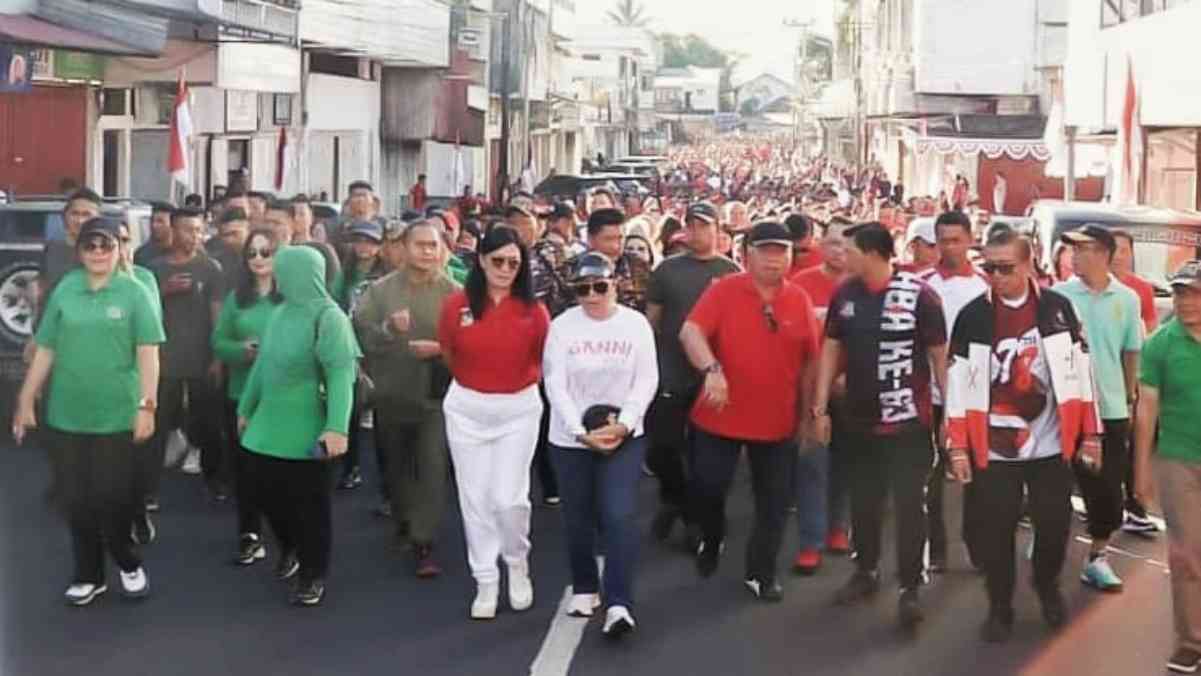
pixel 629 13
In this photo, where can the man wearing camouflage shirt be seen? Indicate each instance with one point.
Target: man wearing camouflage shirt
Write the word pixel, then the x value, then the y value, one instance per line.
pixel 606 234
pixel 547 259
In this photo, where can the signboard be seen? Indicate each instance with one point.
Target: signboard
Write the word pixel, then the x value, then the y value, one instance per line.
pixel 241 110
pixel 16 69
pixel 469 37
pixel 77 65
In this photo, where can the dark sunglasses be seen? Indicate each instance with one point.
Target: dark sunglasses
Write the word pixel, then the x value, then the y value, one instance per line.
pixel 1003 269
pixel 770 315
pixel 503 262
pixel 102 244
pixel 259 252
pixel 585 288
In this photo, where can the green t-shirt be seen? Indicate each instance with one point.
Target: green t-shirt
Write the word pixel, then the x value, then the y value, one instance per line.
pixel 1171 363
pixel 1112 325
pixel 457 270
pixel 94 386
pixel 235 327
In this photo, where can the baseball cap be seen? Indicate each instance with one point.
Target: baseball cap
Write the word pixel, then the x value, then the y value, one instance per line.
pixel 561 210
pixel 370 229
pixel 923 229
pixel 798 226
pixel 1188 274
pixel 702 210
pixel 101 226
pixel 1090 232
pixel 593 264
pixel 769 232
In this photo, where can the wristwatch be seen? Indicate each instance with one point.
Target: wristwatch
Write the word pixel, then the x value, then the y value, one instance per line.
pixel 147 404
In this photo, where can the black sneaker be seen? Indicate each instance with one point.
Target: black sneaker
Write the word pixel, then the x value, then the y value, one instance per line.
pixel 862 586
pixel 1055 611
pixel 708 555
pixel 142 531
pixel 352 480
pixel 909 609
pixel 383 509
pixel 287 566
pixel 308 593
pixel 152 504
pixel 1184 661
pixel 664 522
pixel 998 628
pixel 250 550
pixel 766 590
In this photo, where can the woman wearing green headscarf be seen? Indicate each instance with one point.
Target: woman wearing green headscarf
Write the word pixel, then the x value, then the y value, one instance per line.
pixel 295 413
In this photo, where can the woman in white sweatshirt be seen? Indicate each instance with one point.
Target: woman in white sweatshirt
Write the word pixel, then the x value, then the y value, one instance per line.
pixel 600 373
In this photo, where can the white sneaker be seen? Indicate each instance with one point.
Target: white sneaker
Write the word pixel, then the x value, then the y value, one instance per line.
pixel 521 589
pixel 583 605
pixel 135 584
pixel 191 462
pixel 81 594
pixel 484 605
pixel 618 622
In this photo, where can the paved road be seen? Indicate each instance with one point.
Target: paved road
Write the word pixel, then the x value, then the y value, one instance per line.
pixel 208 617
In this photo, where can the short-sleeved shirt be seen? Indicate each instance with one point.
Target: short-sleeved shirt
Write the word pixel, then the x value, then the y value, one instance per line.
pixel 187 317
pixel 498 353
pixel 763 348
pixel 1171 363
pixel 676 285
pixel 885 335
pixel 94 385
pixel 1112 325
pixel 820 288
pixel 1146 299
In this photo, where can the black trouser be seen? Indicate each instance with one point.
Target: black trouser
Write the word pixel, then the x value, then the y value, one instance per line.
pixel 1103 491
pixel 714 460
pixel 351 460
pixel 935 523
pixel 296 496
pixel 249 520
pixel 669 448
pixel 542 463
pixel 96 475
pixel 897 463
pixel 999 498
pixel 196 407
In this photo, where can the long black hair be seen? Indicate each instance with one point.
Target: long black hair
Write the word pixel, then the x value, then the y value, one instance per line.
pixel 477 283
pixel 247 293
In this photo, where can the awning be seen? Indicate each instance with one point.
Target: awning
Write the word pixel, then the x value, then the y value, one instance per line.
pixel 1018 137
pixel 35 32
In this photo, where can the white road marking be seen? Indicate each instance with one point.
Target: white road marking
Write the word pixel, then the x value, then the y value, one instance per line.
pixel 563 637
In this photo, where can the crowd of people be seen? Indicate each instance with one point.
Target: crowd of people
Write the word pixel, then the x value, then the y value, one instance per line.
pixel 852 342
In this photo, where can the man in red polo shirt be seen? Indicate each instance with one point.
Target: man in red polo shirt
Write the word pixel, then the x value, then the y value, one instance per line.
pixel 752 334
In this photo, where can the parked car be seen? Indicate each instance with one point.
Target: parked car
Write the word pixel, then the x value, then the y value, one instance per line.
pixel 569 186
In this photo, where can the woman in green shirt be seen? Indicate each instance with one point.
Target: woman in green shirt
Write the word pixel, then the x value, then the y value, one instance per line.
pixel 97 345
pixel 236 338
pixel 295 416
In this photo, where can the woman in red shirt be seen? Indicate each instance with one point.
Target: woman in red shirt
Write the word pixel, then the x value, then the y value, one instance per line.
pixel 492 334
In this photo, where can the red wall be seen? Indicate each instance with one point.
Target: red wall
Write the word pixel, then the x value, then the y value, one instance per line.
pixel 1023 177
pixel 43 133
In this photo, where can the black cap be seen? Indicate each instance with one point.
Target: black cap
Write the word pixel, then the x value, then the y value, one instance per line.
pixel 561 210
pixel 769 232
pixel 1189 274
pixel 798 226
pixel 702 210
pixel 592 264
pixel 101 226
pixel 369 229
pixel 1091 232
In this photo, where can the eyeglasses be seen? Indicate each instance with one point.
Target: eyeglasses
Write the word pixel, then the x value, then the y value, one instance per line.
pixel 101 244
pixel 584 289
pixel 770 315
pixel 1003 269
pixel 260 252
pixel 513 264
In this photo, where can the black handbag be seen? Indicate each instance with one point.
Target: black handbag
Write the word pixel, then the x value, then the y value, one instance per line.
pixel 600 415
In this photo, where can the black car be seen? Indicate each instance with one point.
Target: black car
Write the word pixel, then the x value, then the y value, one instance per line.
pixel 569 186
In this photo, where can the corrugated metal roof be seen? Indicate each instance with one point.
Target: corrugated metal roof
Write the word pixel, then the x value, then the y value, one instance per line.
pixel 30 30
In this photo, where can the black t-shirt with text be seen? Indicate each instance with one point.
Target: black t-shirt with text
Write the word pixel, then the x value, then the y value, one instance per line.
pixel 676 285
pixel 885 336
pixel 187 316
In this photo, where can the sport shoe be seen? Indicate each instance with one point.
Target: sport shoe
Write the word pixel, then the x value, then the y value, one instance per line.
pixel 352 480
pixel 308 593
pixel 1099 575
pixel 383 509
pixel 250 549
pixel 909 609
pixel 552 501
pixel 425 567
pixel 664 522
pixel 1185 661
pixel 766 590
pixel 135 584
pixel 142 530
pixel 862 586
pixel 1055 611
pixel 191 462
pixel 287 566
pixel 618 622
pixel 838 541
pixel 807 561
pixel 521 589
pixel 81 594
pixel 152 504
pixel 1139 524
pixel 708 555
pixel 583 605
pixel 484 605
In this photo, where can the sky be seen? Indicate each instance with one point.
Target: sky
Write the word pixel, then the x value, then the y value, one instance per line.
pixel 751 26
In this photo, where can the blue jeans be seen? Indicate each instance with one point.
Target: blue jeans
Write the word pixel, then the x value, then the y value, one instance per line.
pixel 813 494
pixel 601 492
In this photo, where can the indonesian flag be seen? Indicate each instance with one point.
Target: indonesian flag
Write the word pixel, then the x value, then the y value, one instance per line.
pixel 281 159
pixel 1130 139
pixel 181 135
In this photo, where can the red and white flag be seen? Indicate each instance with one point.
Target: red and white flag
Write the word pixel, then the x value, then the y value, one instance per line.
pixel 1130 140
pixel 178 164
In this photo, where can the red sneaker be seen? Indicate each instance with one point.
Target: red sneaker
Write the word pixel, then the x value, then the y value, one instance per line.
pixel 837 542
pixel 807 562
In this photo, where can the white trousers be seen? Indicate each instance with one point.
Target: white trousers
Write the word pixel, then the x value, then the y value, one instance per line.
pixel 492 439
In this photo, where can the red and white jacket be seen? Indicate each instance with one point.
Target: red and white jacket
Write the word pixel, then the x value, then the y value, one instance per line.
pixel 969 376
